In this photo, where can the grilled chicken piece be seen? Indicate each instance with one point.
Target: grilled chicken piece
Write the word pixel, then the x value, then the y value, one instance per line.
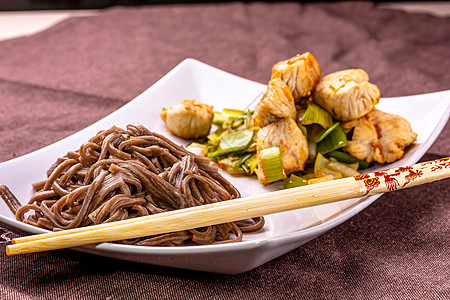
pixel 276 103
pixel 301 74
pixel 347 94
pixel 379 136
pixel 293 145
pixel 188 119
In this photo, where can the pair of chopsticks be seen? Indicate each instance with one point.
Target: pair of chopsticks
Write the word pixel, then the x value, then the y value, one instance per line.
pixel 238 209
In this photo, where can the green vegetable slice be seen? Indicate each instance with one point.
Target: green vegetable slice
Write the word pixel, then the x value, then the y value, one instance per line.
pixel 271 164
pixel 236 123
pixel 214 139
pixel 348 159
pixel 312 151
pixel 233 164
pixel 344 169
pixel 294 181
pixel 250 164
pixel 234 142
pixel 317 133
pixel 321 162
pixel 335 139
pixel 315 114
pixel 303 130
pixel 227 116
pixel 197 148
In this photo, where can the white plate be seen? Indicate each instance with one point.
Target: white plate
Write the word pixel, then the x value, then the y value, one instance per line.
pixel 283 232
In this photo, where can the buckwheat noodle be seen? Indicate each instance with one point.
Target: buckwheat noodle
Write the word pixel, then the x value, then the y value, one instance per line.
pixel 120 174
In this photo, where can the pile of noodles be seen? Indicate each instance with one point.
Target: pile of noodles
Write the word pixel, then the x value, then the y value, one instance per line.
pixel 120 174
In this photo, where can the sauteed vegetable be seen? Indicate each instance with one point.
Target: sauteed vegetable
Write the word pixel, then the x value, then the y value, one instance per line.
pixel 306 130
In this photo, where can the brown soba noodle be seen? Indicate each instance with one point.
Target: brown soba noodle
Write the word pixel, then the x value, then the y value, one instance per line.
pixel 120 174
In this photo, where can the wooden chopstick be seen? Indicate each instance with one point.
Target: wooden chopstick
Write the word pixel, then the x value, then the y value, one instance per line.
pixel 238 209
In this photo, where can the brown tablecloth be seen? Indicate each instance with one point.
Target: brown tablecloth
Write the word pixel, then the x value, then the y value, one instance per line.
pixel 398 248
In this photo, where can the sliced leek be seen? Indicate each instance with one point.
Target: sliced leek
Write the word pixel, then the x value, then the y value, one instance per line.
pixel 232 164
pixel 328 171
pixel 271 164
pixel 250 164
pixel 335 140
pixel 197 148
pixel 315 114
pixel 214 139
pixel 294 181
pixel 348 159
pixel 317 133
pixel 234 142
pixel 303 130
pixel 346 171
pixel 321 162
pixel 312 151
pixel 227 116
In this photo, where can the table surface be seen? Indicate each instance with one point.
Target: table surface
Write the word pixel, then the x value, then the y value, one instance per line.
pixel 397 248
pixel 21 23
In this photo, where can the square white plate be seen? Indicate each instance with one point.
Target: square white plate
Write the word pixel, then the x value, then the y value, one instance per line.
pixel 283 232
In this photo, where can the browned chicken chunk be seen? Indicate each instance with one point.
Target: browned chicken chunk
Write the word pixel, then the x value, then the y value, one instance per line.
pixel 276 103
pixel 347 94
pixel 379 136
pixel 188 119
pixel 301 74
pixel 293 145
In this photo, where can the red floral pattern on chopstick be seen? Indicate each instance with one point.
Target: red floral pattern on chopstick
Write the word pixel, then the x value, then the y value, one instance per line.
pixel 405 175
